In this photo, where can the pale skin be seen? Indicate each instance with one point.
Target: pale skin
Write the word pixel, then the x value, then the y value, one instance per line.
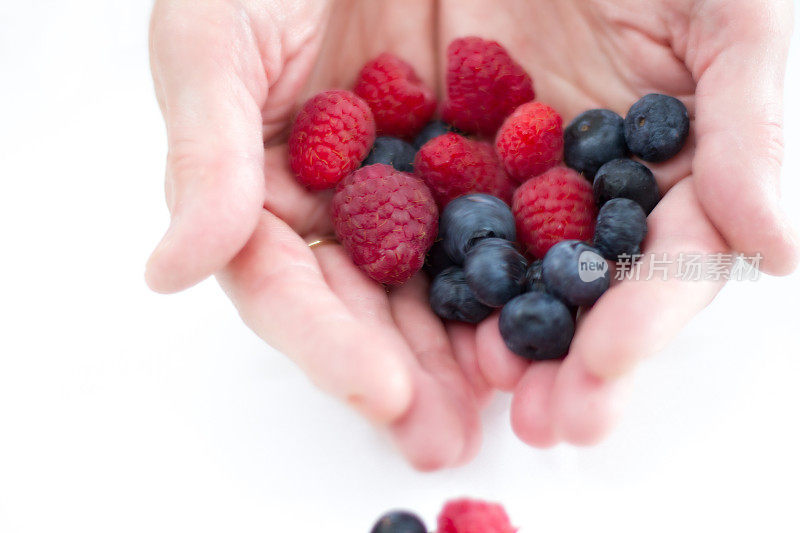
pixel 229 75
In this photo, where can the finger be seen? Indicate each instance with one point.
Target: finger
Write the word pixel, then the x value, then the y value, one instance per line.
pixel 364 298
pixel 306 212
pixel 465 349
pixel 431 434
pixel 279 290
pixel 501 368
pixel 532 406
pixel 584 406
pixel 442 428
pixel 740 68
pixel 636 318
pixel 211 85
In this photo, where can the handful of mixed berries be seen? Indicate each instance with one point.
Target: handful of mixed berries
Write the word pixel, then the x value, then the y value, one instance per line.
pixel 502 206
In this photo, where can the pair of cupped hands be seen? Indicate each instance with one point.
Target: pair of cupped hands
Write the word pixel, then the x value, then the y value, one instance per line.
pixel 229 74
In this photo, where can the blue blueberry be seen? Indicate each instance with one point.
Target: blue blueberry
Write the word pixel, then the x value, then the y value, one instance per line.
pixel 452 299
pixel 432 130
pixel 534 282
pixel 625 178
pixel 656 127
pixel 399 522
pixel 472 217
pixel 436 260
pixel 621 228
pixel 594 138
pixel 495 271
pixel 575 272
pixel 537 326
pixel 392 151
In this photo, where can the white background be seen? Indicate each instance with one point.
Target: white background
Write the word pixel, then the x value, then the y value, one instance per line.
pixel 122 410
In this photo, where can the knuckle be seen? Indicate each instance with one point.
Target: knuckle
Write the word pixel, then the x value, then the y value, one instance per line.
pixel 772 144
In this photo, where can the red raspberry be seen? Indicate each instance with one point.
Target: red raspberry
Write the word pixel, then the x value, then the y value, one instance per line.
pixel 401 102
pixel 331 135
pixel 530 141
pixel 553 207
pixel 473 516
pixel 453 165
pixel 386 220
pixel 484 85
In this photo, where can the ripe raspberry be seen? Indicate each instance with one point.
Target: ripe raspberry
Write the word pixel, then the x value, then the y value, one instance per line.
pixel 530 141
pixel 386 220
pixel 484 85
pixel 555 206
pixel 401 102
pixel 330 137
pixel 473 516
pixel 453 166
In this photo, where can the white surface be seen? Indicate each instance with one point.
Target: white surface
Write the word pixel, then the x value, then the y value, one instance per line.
pixel 121 410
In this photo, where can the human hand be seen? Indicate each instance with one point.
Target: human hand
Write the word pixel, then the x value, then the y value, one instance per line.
pixel 725 59
pixel 229 74
pixel 224 73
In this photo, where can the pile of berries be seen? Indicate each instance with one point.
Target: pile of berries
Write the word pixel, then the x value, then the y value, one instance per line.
pixel 503 206
pixel 457 516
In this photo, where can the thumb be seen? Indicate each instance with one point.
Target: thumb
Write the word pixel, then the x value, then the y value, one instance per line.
pixel 740 66
pixel 210 83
